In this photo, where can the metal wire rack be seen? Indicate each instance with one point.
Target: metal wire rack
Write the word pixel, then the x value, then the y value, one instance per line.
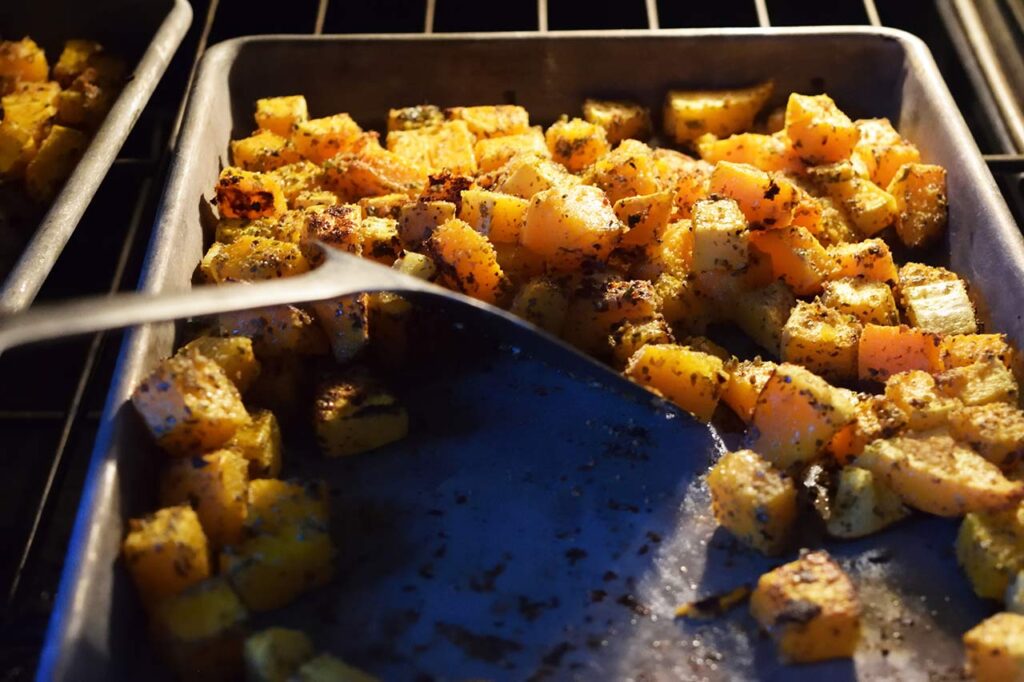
pixel 52 396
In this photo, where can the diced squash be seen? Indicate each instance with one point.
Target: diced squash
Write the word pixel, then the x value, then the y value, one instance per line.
pixel 995 649
pixel 346 324
pixel 418 220
pixel 259 442
pixel 690 183
pixel 234 355
pixel 275 654
pixel 276 331
pixel 526 175
pixel 571 226
pixel 281 115
pixel 320 139
pixel 720 235
pixel 242 194
pixel 308 199
pixel 867 300
pixel 592 316
pixel 381 242
pixel 630 336
pixel 966 349
pixel 882 150
pixel 369 169
pixel 250 259
pixel 818 130
pixel 499 217
pixel 690 114
pixel 681 303
pixel 412 118
pixel 863 505
pixel 796 416
pixel 57 156
pixel 274 506
pixel 990 548
pixel 919 191
pixel 628 170
pixel 810 607
pixel 939 305
pixel 327 668
pixel 767 152
pixel 797 257
pixel 385 206
pixel 189 404
pixel 541 301
pixel 298 178
pixel 22 60
pixel 269 570
pixel 262 151
pixel 355 414
pixel 869 260
pixel 821 339
pixel 166 552
pixel 215 485
pixel 447 145
pixel 671 252
pixel 916 394
pixel 31 107
pixel 934 473
pixel 875 417
pixel 75 58
pixel 518 263
pixel 690 379
pixel 764 198
pixel 885 350
pixel 869 207
pixel 753 501
pixel 416 265
pixel 17 145
pixel 983 382
pixel 492 120
pixel 467 262
pixel 747 378
pixel 995 430
pixel 762 314
pixel 620 120
pixel 494 152
pixel 646 216
pixel 201 630
pixel 576 143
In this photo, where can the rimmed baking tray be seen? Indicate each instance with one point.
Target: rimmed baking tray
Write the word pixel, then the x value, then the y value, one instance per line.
pixel 145 34
pixel 484 547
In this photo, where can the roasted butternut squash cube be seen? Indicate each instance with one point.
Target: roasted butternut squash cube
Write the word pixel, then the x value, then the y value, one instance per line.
pixel 31 106
pixel 270 570
pixel 499 217
pixel 834 226
pixel 863 505
pixel 355 414
pixel 868 301
pixel 337 227
pixel 281 115
pixel 767 152
pixel 671 251
pixel 308 199
pixel 995 648
pixel 215 486
pixel 762 314
pixel 984 382
pixel 966 349
pixel 22 60
pixel 818 130
pixel 870 208
pixel 320 139
pixel 418 220
pixel 747 378
pixel 87 99
pixel 262 151
pixel 690 114
pixel 234 355
pixel 875 417
pixel 381 242
pixel 942 307
pixel 690 379
pixel 201 630
pixel 796 415
pixel 720 235
pixel 681 304
pixel 690 182
pixel 919 191
pixel 386 206
pixel 990 548
pixel 620 120
pixel 645 216
pixel 166 552
pixel 571 226
pixel 575 143
pixel 592 316
pixel 367 169
pixel 327 668
pixel 628 170
pixel 494 152
pixel 765 199
pixel 242 194
pixel 448 145
pixel 753 501
pixel 57 156
pixel 630 336
pixel 249 259
pixel 885 350
pixel 345 322
pixel 882 150
pixel 189 404
pixel 916 394
pixel 416 265
pixel 526 175
pixel 492 120
pixel 275 654
pixel 259 442
pixel 276 331
pixel 934 473
pixel 995 430
pixel 810 607
pixel 868 260
pixel 412 118
pixel 275 506
pixel 298 178
pixel 75 58
pixel 542 302
pixel 821 339
pixel 797 257
pixel 467 262
pixel 17 146
pixel 519 264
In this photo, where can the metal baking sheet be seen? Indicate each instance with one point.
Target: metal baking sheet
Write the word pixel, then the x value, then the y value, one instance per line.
pixel 145 33
pixel 504 539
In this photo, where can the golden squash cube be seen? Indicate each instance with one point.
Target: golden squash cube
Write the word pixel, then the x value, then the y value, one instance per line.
pixel 869 259
pixel 320 139
pixel 630 336
pixel 747 378
pixel 385 206
pixel 31 106
pixel 75 58
pixel 447 145
pixel 671 251
pixel 810 607
pixel 870 208
pixel 280 115
pixel 995 649
pixel 916 394
pixel 467 262
pixel 269 571
pixel 690 114
pixel 765 199
pixel 234 355
pixel 934 473
pixel 215 485
pixel 57 156
pixel 526 175
pixel 22 60
pixel 380 239
pixel 940 306
pixel 370 170
pixel 17 146
pixel 499 217
pixel 720 235
pixel 275 506
pixel 766 152
pixel 821 339
pixel 818 130
pixel 762 314
pixel 753 501
pixel 682 304
pixel 882 150
pixel 620 120
pixel 355 414
pixel 863 505
pixel 628 170
pixel 259 442
pixel 327 668
pixel 418 220
pixel 885 350
pixel 276 331
pixel 995 430
pixel 250 259
pixel 920 193
pixel 596 312
pixel 346 324
pixel 575 143
pixel 990 548
pixel 297 178
pixel 262 151
pixel 868 301
pixel 242 194
pixel 796 415
pixel 690 379
pixel 165 553
pixel 570 226
pixel 797 257
pixel 542 302
pixel 875 417
pixel 492 120
pixel 201 630
pixel 646 218
pixel 335 226
pixel 275 654
pixel 987 381
pixel 960 350
pixel 494 152
pixel 308 199
pixel 189 404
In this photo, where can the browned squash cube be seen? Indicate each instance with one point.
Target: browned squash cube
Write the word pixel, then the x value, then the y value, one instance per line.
pixel 576 143
pixel 762 314
pixel 920 193
pixel 990 548
pixel 493 153
pixel 541 301
pixel 259 442
pixel 753 501
pixel 234 355
pixel 242 194
pixel 276 331
pixel 882 150
pixel 189 404
pixel 690 379
pixel 251 259
pixel 467 261
pixel 215 485
pixel 960 350
pixel 868 301
pixel 869 259
pixel 275 654
pixel 628 170
pixel 381 242
pixel 818 130
pixel 747 378
pixel 916 394
pixel 870 208
pixel 57 157
pixel 320 139
pixel 630 336
pixel 874 417
pixel 620 120
pixel 354 414
pixel 263 151
pixel 810 607
pixel 821 339
pixel 165 553
pixel 995 648
pixel 492 120
pixel 995 430
pixel 690 114
pixel 987 381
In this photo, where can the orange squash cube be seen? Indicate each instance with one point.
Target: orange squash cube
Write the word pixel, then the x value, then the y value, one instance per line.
pixel 166 552
pixel 821 339
pixel 753 501
pixel 690 379
pixel 870 260
pixel 767 152
pixel 215 485
pixel 620 120
pixel 919 191
pixel 320 139
pixel 467 262
pixel 885 350
pixel 492 120
pixel 882 150
pixel 765 199
pixel 690 114
pixel 570 226
pixel 960 350
pixel 576 144
pixel 281 115
pixel 818 130
pixel 646 216
pixel 797 257
pixel 747 379
pixel 628 170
